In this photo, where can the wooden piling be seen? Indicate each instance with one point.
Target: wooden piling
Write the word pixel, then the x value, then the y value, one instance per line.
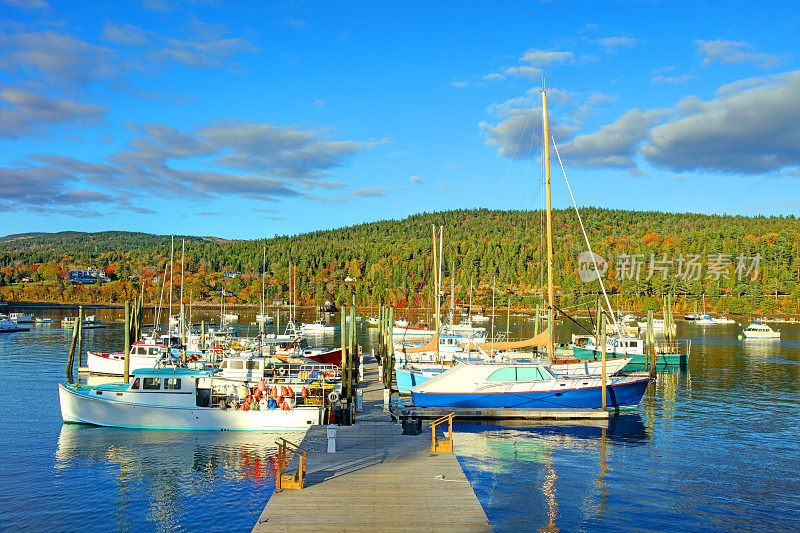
pixel 603 357
pixel 71 357
pixel 389 368
pixel 79 327
pixel 343 338
pixel 127 364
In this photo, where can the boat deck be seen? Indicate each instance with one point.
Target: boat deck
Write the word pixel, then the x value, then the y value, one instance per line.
pixel 378 480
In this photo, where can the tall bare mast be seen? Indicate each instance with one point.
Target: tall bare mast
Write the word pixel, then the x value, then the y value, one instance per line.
pixel 550 328
pixel 436 286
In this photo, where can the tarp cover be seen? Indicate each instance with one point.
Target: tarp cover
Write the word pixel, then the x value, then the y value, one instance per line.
pixel 542 339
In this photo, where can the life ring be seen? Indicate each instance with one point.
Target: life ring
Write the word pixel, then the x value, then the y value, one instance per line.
pixel 280 371
pixel 333 397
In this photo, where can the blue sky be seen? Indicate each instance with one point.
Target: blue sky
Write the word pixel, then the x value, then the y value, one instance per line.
pixel 243 121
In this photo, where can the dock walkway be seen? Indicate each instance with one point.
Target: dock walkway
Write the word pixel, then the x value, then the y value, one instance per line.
pixel 378 480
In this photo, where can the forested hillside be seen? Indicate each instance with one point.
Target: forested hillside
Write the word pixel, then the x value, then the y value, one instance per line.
pixel 742 264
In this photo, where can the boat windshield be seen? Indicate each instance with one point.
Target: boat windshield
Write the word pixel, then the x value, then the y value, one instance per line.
pixel 520 373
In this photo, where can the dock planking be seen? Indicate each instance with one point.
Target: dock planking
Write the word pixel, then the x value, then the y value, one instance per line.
pixel 379 479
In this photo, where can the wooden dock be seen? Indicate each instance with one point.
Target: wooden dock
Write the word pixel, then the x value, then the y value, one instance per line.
pixel 378 480
pixel 405 414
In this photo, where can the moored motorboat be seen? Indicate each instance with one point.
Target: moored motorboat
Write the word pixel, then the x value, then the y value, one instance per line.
pixel 21 318
pixel 9 326
pixel 757 330
pixel 166 398
pixel 525 386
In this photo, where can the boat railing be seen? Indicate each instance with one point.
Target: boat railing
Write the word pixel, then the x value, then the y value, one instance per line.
pixel 297 480
pixel 443 445
pixel 674 347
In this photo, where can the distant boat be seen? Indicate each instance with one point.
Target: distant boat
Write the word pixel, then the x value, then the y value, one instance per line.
pixel 143 354
pixel 757 330
pixel 317 328
pixel 90 322
pixel 9 326
pixel 264 318
pixel 21 318
pixel 230 316
pixel 480 318
pixel 372 321
pixel 44 320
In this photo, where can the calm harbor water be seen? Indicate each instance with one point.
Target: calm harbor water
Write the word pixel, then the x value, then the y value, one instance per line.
pixel 715 446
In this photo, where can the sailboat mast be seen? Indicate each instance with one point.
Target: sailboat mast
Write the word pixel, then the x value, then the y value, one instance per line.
pixel 183 319
pixel 263 276
pixel 550 303
pixel 436 288
pixel 171 255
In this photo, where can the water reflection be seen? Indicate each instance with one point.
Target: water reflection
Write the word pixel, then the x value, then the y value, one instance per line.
pixel 175 470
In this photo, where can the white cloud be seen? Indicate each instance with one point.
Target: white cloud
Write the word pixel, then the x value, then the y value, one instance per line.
pixel 24 112
pixel 724 52
pixel 416 179
pixel 319 103
pixel 28 4
pixel 753 131
pixel 613 44
pixel 531 73
pixel 672 79
pixel 538 57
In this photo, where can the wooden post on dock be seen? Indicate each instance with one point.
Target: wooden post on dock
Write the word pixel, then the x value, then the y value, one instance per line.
pixel 389 372
pixel 127 364
pixel 202 335
pixel 79 327
pixel 603 357
pixel 599 331
pixel 71 357
pixel 650 340
pixel 536 322
pixel 351 353
pixel 343 339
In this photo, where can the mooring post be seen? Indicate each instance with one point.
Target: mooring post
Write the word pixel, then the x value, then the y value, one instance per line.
pixel 603 357
pixel 71 357
pixel 127 364
pixel 351 359
pixel 79 326
pixel 390 351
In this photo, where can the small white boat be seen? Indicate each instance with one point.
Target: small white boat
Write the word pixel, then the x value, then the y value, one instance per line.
pixel 9 326
pixel 21 318
pixel 480 318
pixel 89 322
pixel 264 318
pixel 658 323
pixel 757 330
pixel 317 328
pixel 44 320
pixel 401 323
pixel 705 320
pixel 175 398
pixel 372 321
pixel 724 320
pixel 230 316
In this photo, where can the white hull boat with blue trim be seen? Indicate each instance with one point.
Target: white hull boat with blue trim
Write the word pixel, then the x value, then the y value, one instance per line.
pixel 525 386
pixel 171 398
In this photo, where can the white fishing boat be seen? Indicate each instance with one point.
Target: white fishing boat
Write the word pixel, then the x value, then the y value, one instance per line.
pixel 44 320
pixel 757 330
pixel 480 318
pixel 89 322
pixel 401 323
pixel 175 398
pixel 143 354
pixel 372 322
pixel 21 318
pixel 230 316
pixel 724 320
pixel 9 326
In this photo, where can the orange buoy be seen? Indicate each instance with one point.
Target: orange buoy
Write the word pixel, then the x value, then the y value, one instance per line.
pixel 279 400
pixel 275 392
pixel 262 385
pixel 284 392
pixel 290 391
pixel 305 392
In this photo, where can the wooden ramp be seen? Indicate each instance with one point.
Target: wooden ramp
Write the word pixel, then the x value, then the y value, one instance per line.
pixel 379 480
